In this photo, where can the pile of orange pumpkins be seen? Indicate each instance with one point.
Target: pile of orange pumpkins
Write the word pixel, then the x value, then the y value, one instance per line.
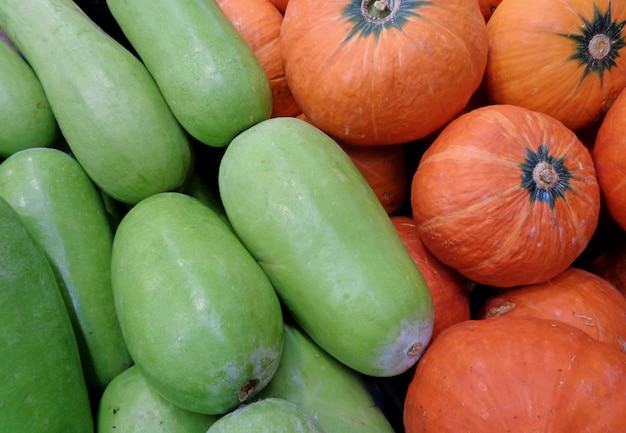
pixel 494 135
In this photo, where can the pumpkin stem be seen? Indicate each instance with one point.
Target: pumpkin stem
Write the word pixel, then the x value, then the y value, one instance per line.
pixel 599 46
pixel 379 10
pixel 381 5
pixel 545 176
pixel 500 310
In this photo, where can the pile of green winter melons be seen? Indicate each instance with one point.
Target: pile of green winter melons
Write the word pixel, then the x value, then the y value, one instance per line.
pixel 142 296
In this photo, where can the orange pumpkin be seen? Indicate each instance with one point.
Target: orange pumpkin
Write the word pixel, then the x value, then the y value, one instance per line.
pixel 506 196
pixel 566 59
pixel 378 72
pixel 517 374
pixel 610 159
pixel 576 297
pixel 449 290
pixel 259 22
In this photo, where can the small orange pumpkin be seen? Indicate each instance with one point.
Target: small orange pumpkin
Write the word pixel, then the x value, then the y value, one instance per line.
pixel 517 374
pixel 449 289
pixel 259 22
pixel 506 196
pixel 576 297
pixel 378 72
pixel 563 58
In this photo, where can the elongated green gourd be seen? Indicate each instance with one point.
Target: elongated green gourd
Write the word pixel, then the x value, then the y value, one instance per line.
pixel 106 103
pixel 25 115
pixel 335 395
pixel 270 415
pixel 64 212
pixel 199 316
pixel 42 388
pixel 308 216
pixel 207 72
pixel 130 405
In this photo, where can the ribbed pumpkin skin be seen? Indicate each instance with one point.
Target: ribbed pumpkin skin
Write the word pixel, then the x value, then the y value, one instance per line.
pixel 517 375
pixel 377 84
pixel 536 62
pixel 576 297
pixel 610 159
pixel 475 214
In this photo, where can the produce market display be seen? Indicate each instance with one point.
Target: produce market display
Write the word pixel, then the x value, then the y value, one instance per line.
pixel 361 216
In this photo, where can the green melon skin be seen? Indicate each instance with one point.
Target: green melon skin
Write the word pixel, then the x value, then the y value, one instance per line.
pixel 271 415
pixel 198 314
pixel 305 212
pixel 130 405
pixel 333 394
pixel 206 71
pixel 106 103
pixel 27 119
pixel 42 388
pixel 64 212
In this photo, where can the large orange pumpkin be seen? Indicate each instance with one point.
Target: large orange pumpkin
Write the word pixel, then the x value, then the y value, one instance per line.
pixel 377 72
pixel 449 289
pixel 563 58
pixel 609 153
pixel 259 22
pixel 506 196
pixel 576 297
pixel 517 374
